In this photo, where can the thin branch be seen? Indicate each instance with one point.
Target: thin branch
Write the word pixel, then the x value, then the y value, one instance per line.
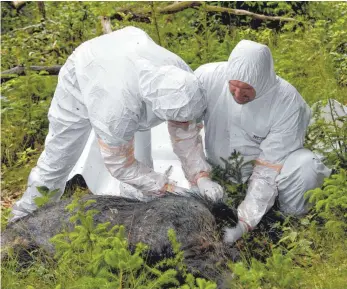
pixel 210 8
pixel 178 6
pixel 20 70
pixel 42 24
pixel 144 15
pixel 27 27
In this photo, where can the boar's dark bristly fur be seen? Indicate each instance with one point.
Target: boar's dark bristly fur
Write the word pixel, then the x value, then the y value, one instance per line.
pixel 193 220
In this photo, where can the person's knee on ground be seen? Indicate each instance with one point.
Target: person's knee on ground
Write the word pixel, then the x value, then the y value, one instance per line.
pixel 302 171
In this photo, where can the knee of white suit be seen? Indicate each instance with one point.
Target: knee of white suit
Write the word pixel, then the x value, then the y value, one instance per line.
pixel 302 171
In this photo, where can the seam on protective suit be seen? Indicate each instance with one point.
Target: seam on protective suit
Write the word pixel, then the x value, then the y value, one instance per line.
pixel 126 151
pixel 121 150
pixel 200 175
pixel 187 145
pixel 276 167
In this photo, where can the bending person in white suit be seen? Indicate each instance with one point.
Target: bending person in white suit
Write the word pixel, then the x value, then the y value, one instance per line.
pixel 253 111
pixel 119 84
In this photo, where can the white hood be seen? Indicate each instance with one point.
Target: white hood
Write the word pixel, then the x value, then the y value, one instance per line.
pixel 252 63
pixel 171 92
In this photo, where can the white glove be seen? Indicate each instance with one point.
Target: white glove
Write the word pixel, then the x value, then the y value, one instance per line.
pixel 210 189
pixel 231 235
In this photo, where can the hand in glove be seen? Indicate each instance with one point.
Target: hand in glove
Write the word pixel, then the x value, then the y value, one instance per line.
pixel 210 189
pixel 231 235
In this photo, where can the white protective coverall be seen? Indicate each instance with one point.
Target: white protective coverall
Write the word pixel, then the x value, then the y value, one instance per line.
pixel 270 129
pixel 118 84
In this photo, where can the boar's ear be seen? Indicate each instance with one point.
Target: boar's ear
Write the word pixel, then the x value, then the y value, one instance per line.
pixel 224 214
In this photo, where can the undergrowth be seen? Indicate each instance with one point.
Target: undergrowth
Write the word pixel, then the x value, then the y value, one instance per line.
pixel 98 256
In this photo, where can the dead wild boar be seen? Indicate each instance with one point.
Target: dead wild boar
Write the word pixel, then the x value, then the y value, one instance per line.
pixel 195 222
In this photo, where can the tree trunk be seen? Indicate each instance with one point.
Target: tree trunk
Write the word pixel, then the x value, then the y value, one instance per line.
pixel 42 9
pixel 106 24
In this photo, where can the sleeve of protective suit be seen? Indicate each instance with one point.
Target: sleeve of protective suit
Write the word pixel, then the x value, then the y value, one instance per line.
pixel 187 145
pixel 121 163
pixel 260 197
pixel 286 136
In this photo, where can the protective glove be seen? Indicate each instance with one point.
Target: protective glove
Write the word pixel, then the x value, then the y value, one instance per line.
pixel 210 189
pixel 231 235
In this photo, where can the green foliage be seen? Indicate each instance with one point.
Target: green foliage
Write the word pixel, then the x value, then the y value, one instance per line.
pixel 46 196
pixel 332 27
pixel 327 135
pixel 23 126
pixel 279 271
pixel 199 284
pixel 314 247
pixel 331 203
pixel 230 177
pixel 305 56
pixel 5 214
pixel 40 274
pixel 46 42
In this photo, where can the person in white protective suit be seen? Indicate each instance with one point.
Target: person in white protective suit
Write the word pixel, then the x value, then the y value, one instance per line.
pixel 118 84
pixel 253 111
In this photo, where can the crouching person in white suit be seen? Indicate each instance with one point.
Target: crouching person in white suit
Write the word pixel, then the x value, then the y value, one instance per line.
pixel 118 84
pixel 253 111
